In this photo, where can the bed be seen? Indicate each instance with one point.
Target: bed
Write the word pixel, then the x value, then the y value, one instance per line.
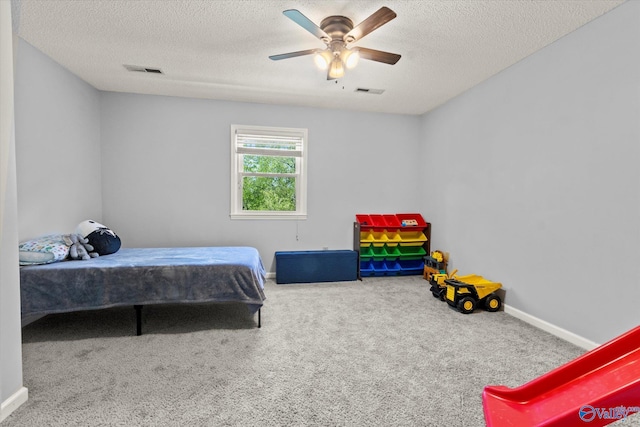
pixel 141 276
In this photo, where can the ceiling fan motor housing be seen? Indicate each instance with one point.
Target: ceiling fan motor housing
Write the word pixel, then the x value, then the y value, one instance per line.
pixel 336 27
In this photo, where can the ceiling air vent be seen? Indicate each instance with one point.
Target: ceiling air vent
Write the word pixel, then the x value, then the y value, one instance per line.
pixel 371 91
pixel 139 69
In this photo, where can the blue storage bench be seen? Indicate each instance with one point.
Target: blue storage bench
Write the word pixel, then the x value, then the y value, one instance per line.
pixel 316 266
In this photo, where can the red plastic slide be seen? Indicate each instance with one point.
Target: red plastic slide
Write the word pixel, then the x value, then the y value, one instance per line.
pixel 595 389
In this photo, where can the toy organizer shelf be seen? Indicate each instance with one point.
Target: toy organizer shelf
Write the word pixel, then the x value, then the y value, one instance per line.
pixel 391 244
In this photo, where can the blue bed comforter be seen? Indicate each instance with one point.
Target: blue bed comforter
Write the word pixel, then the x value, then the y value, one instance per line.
pixel 140 276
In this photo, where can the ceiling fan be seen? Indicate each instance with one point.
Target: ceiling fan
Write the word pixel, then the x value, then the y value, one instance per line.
pixel 337 32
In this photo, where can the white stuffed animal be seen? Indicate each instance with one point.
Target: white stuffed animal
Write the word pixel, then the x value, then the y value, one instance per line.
pixel 80 248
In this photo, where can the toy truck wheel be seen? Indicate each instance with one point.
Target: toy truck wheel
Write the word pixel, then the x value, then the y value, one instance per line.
pixel 466 305
pixel 492 303
pixel 443 294
pixel 435 291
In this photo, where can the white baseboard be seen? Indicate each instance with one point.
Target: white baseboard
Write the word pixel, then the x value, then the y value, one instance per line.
pixel 271 275
pixel 552 329
pixel 13 402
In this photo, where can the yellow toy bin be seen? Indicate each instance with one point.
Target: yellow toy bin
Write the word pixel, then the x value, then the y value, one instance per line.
pixel 393 238
pixel 412 238
pixel 376 238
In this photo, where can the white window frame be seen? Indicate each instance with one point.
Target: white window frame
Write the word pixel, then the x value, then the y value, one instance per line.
pixel 236 211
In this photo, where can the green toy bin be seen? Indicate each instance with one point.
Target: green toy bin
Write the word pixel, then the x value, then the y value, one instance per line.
pixel 411 252
pixel 379 253
pixel 366 252
pixel 393 252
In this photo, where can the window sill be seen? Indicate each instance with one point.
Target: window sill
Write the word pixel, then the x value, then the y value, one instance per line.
pixel 279 216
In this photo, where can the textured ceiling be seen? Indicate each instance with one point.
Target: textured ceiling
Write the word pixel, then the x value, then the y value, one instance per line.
pixel 219 49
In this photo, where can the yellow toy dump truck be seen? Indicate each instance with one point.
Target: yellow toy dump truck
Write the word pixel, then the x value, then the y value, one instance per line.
pixel 438 287
pixel 468 292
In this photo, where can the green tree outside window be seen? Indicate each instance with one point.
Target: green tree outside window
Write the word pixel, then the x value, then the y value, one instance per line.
pixel 269 193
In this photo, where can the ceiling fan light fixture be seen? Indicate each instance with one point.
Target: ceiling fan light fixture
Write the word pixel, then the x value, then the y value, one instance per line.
pixel 350 57
pixel 336 69
pixel 323 58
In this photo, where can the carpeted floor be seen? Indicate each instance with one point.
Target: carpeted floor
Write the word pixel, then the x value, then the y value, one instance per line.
pixel 382 352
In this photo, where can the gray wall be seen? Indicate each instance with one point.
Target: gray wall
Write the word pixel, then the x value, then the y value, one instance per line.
pixel 536 179
pixel 166 165
pixel 58 149
pixel 11 390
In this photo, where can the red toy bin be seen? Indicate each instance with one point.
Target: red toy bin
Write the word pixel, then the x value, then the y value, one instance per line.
pixel 377 221
pixel 411 220
pixel 364 221
pixel 370 222
pixel 392 222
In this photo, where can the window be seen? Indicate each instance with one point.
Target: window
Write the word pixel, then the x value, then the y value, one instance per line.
pixel 268 172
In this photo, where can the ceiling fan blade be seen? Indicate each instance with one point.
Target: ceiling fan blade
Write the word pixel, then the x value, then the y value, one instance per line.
pixel 292 54
pixel 378 19
pixel 378 55
pixel 297 17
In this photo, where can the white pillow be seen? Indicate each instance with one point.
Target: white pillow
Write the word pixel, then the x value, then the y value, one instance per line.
pixel 45 249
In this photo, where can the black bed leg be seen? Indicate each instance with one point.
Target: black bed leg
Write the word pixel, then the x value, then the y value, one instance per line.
pixel 138 309
pixel 259 323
